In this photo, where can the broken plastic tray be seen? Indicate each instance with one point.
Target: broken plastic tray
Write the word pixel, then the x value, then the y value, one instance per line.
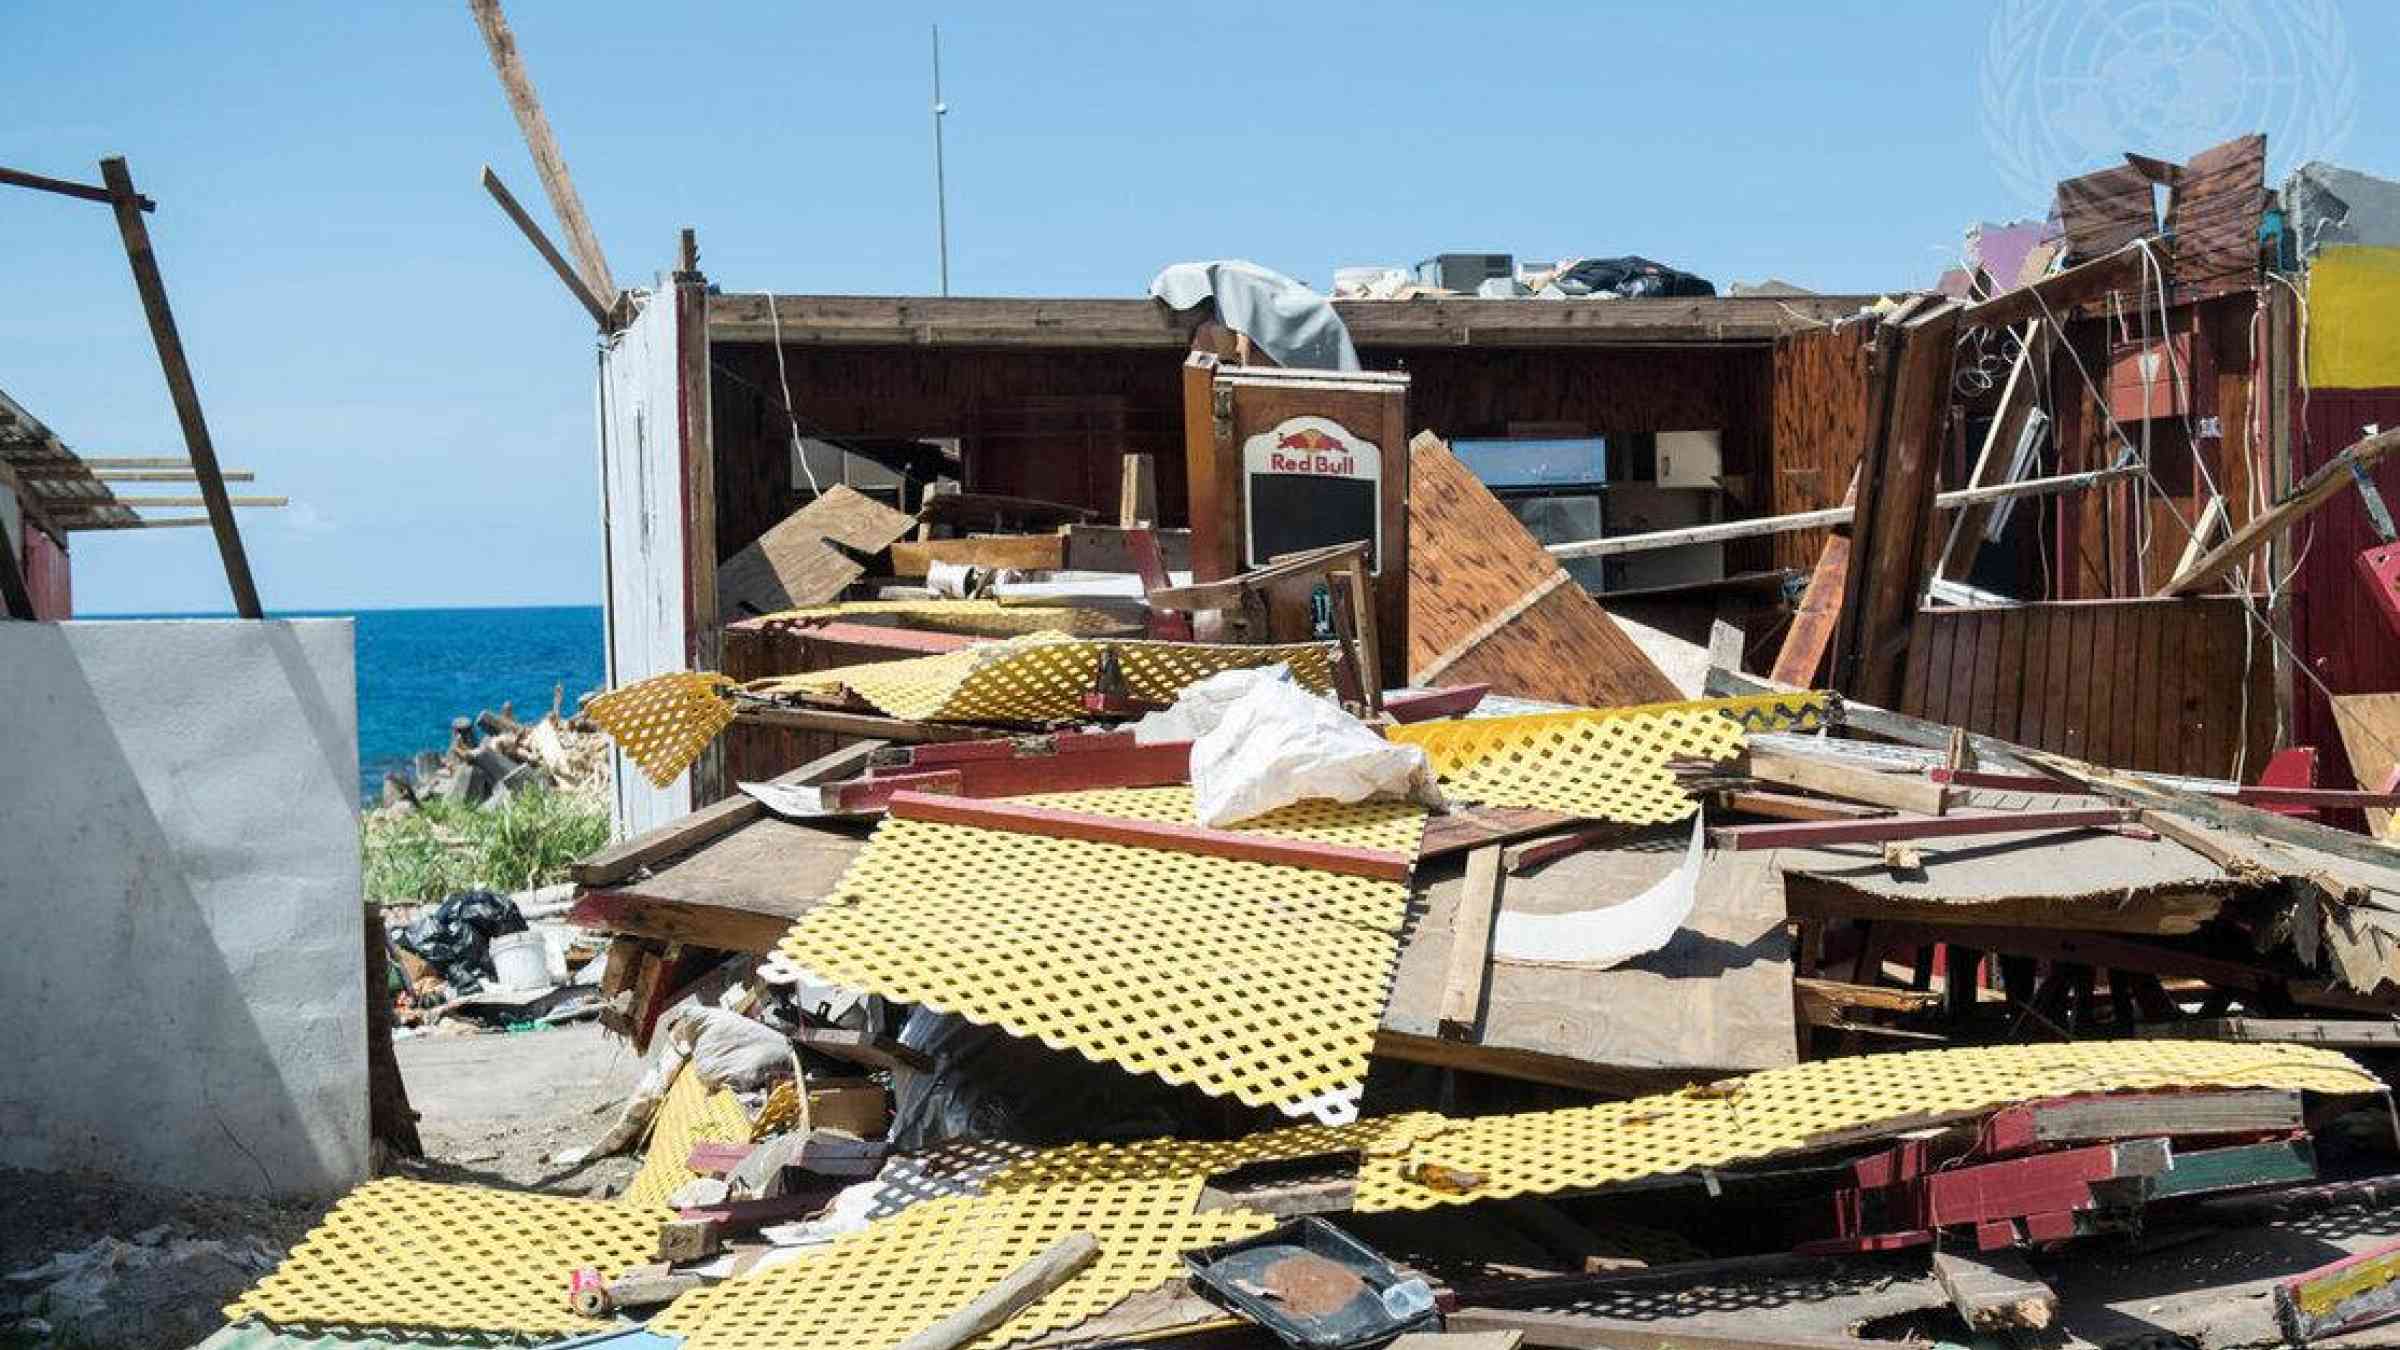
pixel 1237 1273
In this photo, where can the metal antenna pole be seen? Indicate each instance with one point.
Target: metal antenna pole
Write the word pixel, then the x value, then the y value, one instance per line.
pixel 941 193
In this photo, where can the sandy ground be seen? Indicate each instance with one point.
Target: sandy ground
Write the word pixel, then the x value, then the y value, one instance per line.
pixel 493 1109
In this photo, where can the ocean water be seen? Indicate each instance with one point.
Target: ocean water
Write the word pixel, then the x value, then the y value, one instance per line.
pixel 418 668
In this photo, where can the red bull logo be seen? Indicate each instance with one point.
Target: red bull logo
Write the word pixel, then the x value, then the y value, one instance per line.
pixel 1312 450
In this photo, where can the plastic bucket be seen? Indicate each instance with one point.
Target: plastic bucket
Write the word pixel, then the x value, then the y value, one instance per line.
pixel 521 960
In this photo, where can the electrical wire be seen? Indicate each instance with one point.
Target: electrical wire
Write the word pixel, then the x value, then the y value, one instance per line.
pixel 783 377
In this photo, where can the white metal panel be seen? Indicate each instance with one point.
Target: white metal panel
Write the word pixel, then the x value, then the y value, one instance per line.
pixel 641 496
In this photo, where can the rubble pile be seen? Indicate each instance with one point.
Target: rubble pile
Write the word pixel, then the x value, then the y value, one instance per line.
pixel 492 755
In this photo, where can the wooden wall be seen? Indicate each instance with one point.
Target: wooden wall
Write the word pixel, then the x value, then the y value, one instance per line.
pixel 2335 623
pixel 1054 422
pixel 1818 400
pixel 2135 684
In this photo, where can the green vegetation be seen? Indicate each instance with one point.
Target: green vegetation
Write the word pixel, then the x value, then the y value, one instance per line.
pixel 443 847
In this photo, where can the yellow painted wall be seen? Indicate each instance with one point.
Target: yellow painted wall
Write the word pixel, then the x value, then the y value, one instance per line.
pixel 2354 318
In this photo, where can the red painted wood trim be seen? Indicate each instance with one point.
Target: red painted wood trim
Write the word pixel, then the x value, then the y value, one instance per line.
pixel 1018 818
pixel 875 793
pixel 1423 705
pixel 1067 762
pixel 1811 834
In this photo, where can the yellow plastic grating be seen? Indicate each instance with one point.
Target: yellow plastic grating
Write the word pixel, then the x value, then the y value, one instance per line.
pixel 688 1114
pixel 664 722
pixel 1609 764
pixel 1390 826
pixel 1085 1164
pixel 1792 1110
pixel 778 1113
pixel 1248 980
pixel 418 1256
pixel 980 618
pixel 1039 678
pixel 903 1274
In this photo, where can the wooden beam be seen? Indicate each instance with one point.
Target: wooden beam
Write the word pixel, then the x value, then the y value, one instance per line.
pixel 66 188
pixel 1038 1278
pixel 2087 778
pixel 1900 792
pixel 509 63
pixel 2340 1033
pixel 1470 964
pixel 1052 823
pixel 154 523
pixel 1832 515
pixel 180 387
pixel 2313 492
pixel 1817 834
pixel 1784 806
pixel 2121 270
pixel 1898 479
pixel 157 475
pixel 1994 1290
pixel 1575 1331
pixel 1025 552
pixel 687 832
pixel 68 504
pixel 1137 494
pixel 1802 655
pixel 860 724
pixel 575 284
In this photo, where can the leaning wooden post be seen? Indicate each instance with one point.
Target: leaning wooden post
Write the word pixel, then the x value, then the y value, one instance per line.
pixel 127 204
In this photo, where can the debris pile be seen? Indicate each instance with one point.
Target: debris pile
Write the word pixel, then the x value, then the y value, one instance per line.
pixel 492 755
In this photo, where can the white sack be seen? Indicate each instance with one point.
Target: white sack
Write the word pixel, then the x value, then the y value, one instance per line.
pixel 1202 704
pixel 1278 744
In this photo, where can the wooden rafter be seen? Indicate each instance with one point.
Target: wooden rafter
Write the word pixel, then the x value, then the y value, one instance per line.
pixel 509 63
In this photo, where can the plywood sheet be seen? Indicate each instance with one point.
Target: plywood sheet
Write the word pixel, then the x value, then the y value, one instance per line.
pixel 2370 726
pixel 1471 563
pixel 797 562
pixel 1716 999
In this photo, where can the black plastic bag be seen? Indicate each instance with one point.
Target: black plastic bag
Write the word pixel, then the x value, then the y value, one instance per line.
pixel 456 938
pixel 1632 278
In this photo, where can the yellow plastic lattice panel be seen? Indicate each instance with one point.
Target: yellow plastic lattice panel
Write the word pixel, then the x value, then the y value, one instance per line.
pixel 778 1113
pixel 419 1256
pixel 1609 764
pixel 901 1275
pixel 1039 678
pixel 1393 827
pixel 981 618
pixel 664 722
pixel 1248 980
pixel 1084 1164
pixel 1795 1109
pixel 688 1114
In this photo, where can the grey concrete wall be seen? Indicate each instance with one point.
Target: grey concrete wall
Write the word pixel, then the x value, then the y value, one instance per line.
pixel 182 978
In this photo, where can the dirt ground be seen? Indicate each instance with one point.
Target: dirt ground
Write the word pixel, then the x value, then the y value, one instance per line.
pixel 493 1109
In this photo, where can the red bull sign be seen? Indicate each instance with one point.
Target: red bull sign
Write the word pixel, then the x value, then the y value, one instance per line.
pixel 1309 483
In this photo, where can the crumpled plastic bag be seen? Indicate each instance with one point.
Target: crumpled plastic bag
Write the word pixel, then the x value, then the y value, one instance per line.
pixel 1202 704
pixel 730 1050
pixel 1278 744
pixel 455 938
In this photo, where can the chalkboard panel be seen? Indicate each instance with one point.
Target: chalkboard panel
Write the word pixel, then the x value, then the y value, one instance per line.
pixel 1293 512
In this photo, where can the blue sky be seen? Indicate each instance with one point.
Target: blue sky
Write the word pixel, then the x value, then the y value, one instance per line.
pixel 373 338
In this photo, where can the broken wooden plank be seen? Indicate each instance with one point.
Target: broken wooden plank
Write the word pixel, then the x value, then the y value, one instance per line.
pixel 687 832
pixel 2353 1292
pixel 1023 552
pixel 2093 1119
pixel 1060 1262
pixel 1802 655
pixel 1525 857
pixel 858 1047
pixel 2314 491
pixel 1575 1331
pixel 1817 834
pixel 2370 730
pixel 534 235
pixel 548 163
pixel 810 556
pixel 1785 806
pixel 1892 525
pixel 1424 705
pixel 1019 818
pixel 1899 792
pixel 2053 295
pixel 871 725
pixel 2339 1033
pixel 1994 1291
pixel 1470 963
pixel 1465 827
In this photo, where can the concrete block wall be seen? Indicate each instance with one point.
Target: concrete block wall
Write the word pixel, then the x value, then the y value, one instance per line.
pixel 182 979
